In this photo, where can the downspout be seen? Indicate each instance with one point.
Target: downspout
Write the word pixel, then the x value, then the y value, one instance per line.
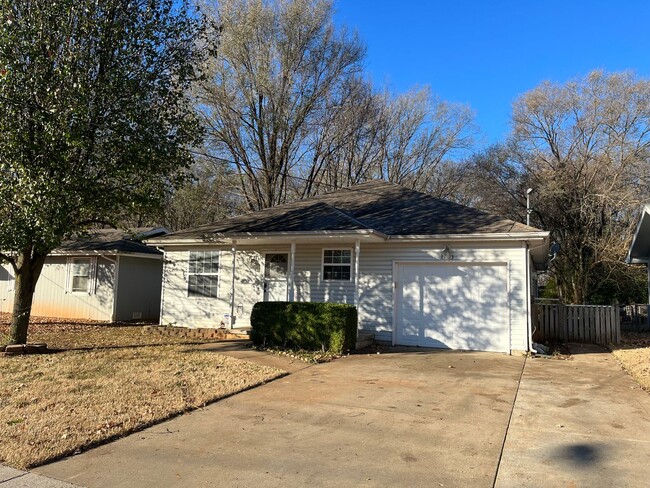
pixel 648 304
pixel 162 287
pixel 292 266
pixel 529 304
pixel 357 250
pixel 116 277
pixel 232 284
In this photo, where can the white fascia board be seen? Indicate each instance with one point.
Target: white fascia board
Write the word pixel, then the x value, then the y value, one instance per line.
pixel 252 237
pixel 519 236
pixel 319 235
pixel 84 253
pixel 106 254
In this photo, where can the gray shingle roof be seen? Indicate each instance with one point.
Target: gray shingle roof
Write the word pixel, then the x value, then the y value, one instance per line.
pixel 376 205
pixel 112 241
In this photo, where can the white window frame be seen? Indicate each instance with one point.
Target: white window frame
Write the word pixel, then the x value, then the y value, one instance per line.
pixel 92 275
pixel 217 274
pixel 350 264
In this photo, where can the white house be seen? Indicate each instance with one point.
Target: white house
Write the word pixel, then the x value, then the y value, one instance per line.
pixel 422 271
pixel 107 275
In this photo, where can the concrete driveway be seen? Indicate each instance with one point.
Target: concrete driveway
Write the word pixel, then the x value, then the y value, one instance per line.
pixel 399 419
pixel 412 418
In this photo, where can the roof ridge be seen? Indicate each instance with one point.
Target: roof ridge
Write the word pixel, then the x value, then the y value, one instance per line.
pixel 344 214
pixel 466 207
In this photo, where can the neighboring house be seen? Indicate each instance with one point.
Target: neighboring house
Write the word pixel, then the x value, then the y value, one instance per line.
pixel 106 275
pixel 639 252
pixel 421 270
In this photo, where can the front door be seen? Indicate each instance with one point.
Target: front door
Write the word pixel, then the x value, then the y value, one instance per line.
pixel 275 277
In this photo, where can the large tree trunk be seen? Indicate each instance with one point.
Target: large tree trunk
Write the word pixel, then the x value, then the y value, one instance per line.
pixel 28 270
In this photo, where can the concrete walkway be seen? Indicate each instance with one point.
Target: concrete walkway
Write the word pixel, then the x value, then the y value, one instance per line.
pixel 14 478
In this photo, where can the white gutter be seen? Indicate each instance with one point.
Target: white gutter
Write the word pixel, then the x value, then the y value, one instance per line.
pixel 499 236
pixel 213 239
pixel 224 238
pixel 105 254
pixel 232 284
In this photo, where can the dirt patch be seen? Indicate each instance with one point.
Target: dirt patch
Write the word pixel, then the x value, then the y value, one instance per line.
pixel 634 356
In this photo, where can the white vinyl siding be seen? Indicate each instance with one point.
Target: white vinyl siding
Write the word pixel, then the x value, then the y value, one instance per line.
pixel 53 296
pixel 6 287
pixel 376 280
pixel 311 284
pixel 203 311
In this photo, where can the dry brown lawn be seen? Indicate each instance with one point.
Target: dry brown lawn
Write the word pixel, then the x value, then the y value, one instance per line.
pixel 634 355
pixel 76 334
pixel 56 404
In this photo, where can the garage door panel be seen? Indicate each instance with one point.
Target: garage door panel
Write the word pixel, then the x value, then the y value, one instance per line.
pixel 452 306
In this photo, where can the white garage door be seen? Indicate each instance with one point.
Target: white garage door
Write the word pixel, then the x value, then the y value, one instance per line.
pixel 454 306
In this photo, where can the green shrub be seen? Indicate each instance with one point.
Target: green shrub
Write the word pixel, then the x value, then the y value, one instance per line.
pixel 330 327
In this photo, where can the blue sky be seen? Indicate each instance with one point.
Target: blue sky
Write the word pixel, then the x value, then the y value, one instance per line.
pixel 486 53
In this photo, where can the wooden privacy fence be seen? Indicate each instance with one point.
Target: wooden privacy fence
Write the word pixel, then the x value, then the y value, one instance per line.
pixel 596 324
pixel 635 318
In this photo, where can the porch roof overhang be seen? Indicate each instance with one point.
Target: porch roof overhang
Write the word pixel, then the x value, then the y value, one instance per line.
pixel 538 241
pixel 639 252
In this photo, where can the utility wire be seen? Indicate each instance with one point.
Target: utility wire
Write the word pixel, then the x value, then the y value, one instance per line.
pixel 224 161
pixel 258 168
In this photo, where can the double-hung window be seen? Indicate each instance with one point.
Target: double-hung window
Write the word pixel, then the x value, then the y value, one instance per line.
pixel 203 275
pixel 337 264
pixel 81 275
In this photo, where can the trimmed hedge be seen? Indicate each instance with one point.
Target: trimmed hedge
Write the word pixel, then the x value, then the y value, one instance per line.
pixel 328 327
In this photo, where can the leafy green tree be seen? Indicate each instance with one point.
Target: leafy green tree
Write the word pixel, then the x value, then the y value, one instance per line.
pixel 94 121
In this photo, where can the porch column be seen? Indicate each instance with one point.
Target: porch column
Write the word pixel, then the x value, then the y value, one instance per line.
pixel 357 250
pixel 292 261
pixel 647 305
pixel 232 284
